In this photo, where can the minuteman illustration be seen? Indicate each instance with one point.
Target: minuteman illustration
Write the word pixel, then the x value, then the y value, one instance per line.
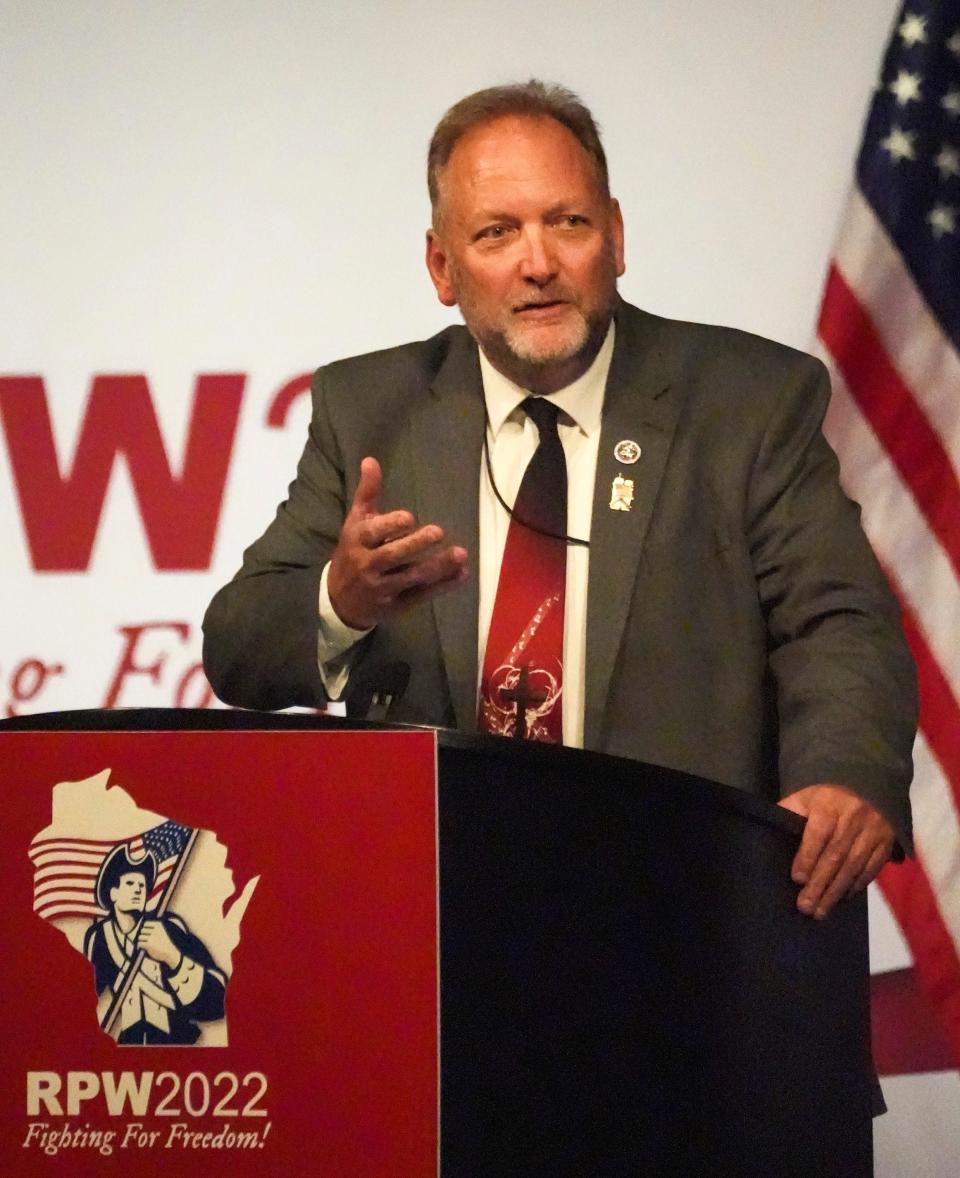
pixel 150 902
pixel 162 979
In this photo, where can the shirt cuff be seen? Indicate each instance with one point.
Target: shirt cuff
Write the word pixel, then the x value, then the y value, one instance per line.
pixel 335 643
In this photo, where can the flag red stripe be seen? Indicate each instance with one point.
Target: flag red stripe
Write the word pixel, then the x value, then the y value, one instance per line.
pixel 54 912
pixel 66 866
pixel 887 403
pixel 62 883
pixel 64 895
pixel 79 844
pixel 906 1035
pixel 69 863
pixel 908 892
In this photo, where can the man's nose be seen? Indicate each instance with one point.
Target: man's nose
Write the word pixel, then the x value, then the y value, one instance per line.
pixel 538 261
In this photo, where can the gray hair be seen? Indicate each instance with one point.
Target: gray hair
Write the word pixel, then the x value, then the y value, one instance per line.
pixel 534 98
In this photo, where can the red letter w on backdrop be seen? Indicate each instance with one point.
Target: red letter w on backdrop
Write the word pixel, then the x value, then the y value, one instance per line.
pixel 61 512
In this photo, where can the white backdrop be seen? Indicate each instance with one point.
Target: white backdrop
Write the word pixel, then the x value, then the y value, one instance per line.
pixel 237 187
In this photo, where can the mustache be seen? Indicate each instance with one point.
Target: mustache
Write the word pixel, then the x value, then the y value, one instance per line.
pixel 545 299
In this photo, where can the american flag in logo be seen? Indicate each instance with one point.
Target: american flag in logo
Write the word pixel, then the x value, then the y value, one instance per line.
pixel 65 870
pixel 889 330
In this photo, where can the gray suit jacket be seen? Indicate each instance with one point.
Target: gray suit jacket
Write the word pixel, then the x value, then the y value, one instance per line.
pixel 738 625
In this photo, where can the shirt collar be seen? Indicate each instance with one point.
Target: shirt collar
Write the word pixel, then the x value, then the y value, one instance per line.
pixel 582 400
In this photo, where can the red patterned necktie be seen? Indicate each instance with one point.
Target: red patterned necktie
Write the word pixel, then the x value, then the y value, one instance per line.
pixel 522 681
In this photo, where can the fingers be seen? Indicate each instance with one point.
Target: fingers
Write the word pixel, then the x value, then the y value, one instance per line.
pixel 146 935
pixel 441 569
pixel 845 844
pixel 401 558
pixel 872 869
pixel 383 562
pixel 155 941
pixel 375 594
pixel 366 498
pixel 817 834
pixel 399 587
pixel 396 537
pixel 833 875
pixel 149 930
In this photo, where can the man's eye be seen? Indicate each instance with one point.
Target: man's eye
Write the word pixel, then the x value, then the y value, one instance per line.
pixel 572 220
pixel 493 232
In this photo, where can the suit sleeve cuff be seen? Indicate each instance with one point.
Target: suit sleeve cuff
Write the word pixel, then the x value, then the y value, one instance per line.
pixel 187 981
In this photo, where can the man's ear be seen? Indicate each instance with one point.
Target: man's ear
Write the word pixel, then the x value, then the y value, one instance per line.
pixel 617 231
pixel 438 267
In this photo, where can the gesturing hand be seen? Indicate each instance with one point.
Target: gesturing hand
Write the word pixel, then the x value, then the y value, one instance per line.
pixel 385 563
pixel 845 843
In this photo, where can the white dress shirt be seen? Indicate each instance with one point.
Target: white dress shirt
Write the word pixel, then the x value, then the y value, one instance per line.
pixel 512 439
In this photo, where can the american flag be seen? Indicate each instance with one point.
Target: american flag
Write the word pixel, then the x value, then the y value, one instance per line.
pixel 889 330
pixel 65 870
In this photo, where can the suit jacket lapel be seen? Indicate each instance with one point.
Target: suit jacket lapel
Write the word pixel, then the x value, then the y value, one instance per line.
pixel 640 406
pixel 447 444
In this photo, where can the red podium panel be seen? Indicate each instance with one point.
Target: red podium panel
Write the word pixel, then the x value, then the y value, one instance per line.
pixel 259 913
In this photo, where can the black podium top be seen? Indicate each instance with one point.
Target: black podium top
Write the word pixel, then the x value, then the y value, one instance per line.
pixel 580 762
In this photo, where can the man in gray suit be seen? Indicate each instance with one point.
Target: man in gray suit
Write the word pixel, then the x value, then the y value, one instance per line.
pixel 727 617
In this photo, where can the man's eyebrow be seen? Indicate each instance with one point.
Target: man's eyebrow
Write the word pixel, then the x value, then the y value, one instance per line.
pixel 564 206
pixel 484 215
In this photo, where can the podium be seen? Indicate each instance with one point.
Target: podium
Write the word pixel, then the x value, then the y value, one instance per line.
pixel 625 985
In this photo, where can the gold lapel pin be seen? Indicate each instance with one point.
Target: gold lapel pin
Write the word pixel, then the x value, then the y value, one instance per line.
pixel 621 494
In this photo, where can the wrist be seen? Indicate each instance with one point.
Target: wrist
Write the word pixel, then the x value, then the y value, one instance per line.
pixel 340 631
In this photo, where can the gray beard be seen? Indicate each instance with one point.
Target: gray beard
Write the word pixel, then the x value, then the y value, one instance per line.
pixel 526 368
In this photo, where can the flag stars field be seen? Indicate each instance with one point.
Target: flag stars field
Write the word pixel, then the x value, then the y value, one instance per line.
pixel 951 102
pixel 900 144
pixel 953 44
pixel 913 31
pixel 947 162
pixel 905 87
pixel 942 219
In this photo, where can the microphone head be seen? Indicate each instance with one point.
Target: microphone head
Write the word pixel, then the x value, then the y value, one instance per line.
pixel 371 691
